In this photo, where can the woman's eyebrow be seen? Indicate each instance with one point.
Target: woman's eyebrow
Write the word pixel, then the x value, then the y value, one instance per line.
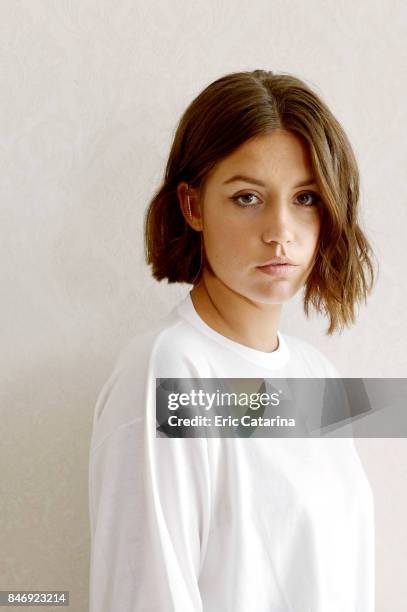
pixel 248 179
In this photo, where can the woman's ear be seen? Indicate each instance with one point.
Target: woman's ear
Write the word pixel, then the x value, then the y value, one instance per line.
pixel 190 207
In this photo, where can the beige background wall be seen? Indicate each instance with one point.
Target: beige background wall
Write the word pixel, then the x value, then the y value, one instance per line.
pixel 90 94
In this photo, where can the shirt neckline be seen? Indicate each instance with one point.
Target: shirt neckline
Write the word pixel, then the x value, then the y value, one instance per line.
pixel 275 359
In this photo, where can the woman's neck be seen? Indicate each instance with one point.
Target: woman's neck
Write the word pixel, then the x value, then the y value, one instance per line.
pixel 236 317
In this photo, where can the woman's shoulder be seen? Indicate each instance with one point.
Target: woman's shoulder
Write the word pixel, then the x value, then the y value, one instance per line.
pixel 169 349
pixel 307 360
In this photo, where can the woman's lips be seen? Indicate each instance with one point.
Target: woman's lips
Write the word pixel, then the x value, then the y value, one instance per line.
pixel 278 269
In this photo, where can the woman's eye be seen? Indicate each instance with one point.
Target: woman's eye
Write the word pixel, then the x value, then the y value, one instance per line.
pixel 250 199
pixel 245 199
pixel 309 198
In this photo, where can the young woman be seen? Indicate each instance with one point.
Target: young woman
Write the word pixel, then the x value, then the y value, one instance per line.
pixel 259 200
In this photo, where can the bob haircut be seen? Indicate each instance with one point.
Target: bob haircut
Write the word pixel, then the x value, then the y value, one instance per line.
pixel 227 113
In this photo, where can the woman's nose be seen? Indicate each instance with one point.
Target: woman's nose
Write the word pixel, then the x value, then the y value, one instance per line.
pixel 277 225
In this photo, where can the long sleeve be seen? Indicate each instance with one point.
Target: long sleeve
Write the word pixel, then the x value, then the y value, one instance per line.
pixel 149 509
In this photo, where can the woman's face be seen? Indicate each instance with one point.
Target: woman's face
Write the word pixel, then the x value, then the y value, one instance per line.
pixel 259 203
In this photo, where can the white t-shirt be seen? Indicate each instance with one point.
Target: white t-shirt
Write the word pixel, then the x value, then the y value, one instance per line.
pixel 221 524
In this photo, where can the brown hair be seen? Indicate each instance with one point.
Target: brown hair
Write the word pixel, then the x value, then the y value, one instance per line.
pixel 223 116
